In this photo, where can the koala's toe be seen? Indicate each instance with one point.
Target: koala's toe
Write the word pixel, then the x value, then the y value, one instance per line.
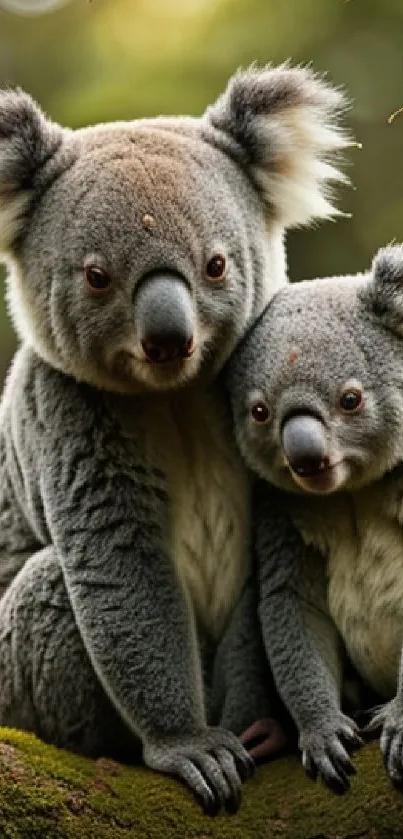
pixel 229 769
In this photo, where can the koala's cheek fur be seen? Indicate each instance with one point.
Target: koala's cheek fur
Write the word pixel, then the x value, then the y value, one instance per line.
pixel 259 454
pixel 12 214
pixel 30 320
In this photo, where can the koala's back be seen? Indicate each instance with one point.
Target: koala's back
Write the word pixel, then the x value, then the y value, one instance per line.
pixel 361 537
pixel 188 437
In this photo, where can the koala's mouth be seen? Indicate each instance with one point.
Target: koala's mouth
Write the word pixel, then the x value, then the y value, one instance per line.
pixel 163 374
pixel 328 477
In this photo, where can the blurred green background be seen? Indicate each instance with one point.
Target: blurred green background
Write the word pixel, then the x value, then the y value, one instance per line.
pixel 95 60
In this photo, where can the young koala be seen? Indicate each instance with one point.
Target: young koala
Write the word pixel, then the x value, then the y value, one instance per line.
pixel 317 396
pixel 138 255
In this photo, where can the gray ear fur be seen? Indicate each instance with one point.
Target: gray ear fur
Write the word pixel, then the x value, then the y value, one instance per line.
pixel 27 142
pixel 285 124
pixel 385 290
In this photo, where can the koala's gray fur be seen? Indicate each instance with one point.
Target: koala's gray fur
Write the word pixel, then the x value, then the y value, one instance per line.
pixel 124 503
pixel 338 472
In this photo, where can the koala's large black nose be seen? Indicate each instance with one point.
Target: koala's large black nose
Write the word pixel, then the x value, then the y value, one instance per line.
pixel 165 318
pixel 304 444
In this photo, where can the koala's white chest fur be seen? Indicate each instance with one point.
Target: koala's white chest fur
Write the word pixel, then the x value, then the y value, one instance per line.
pixel 362 539
pixel 188 437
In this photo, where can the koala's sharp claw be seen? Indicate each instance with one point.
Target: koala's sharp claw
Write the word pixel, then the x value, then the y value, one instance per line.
pixel 351 740
pixel 213 764
pixel 245 766
pixel 333 775
pixel 350 736
pixel 309 766
pixel 386 745
pixel 326 752
pixel 354 743
pixel 344 766
pixel 228 766
pixel 341 758
pixel 211 805
pixel 214 775
pixel 396 776
pixel 338 785
pixel 390 716
pixel 191 776
pixel 396 756
pixel 350 769
pixel 233 803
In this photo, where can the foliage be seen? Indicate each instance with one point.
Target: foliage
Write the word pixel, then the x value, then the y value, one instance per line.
pixel 107 59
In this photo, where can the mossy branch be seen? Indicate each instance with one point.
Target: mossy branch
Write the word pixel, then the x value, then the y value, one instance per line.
pixel 46 793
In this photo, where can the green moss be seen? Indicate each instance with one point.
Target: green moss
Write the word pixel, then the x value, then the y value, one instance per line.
pixel 46 793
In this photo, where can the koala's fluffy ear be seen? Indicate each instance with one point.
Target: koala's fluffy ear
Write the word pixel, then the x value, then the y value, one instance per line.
pixel 284 123
pixel 27 142
pixel 384 292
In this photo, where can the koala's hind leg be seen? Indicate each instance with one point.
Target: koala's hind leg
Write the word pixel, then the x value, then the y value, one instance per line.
pixel 243 697
pixel 48 685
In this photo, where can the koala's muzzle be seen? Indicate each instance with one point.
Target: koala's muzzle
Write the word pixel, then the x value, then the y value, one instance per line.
pixel 165 318
pixel 304 444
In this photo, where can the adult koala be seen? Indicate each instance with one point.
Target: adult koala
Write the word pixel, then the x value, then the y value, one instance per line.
pixel 138 254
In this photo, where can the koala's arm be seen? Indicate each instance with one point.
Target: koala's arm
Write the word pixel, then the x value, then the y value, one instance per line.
pixel 107 514
pixel 106 511
pixel 301 645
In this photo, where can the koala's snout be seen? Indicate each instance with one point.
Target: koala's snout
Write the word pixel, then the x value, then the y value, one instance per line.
pixel 304 444
pixel 165 318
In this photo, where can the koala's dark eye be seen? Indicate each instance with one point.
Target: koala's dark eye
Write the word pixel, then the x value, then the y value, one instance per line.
pixel 351 400
pixel 215 268
pixel 259 411
pixel 97 279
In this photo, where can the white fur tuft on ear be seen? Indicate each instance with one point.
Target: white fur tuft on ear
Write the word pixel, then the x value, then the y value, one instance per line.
pixel 28 141
pixel 12 213
pixel 297 183
pixel 285 123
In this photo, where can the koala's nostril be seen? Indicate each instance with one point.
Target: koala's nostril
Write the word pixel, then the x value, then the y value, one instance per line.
pixel 188 348
pixel 153 353
pixel 309 465
pixel 167 349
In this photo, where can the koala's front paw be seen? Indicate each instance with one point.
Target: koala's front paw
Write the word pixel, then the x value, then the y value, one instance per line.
pixel 212 763
pixel 326 750
pixel 390 718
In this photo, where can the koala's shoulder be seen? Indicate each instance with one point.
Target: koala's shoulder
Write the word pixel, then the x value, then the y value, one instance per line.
pixel 35 392
pixel 325 291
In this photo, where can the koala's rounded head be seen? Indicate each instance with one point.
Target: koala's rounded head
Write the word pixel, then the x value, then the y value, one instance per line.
pixel 139 252
pixel 317 383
